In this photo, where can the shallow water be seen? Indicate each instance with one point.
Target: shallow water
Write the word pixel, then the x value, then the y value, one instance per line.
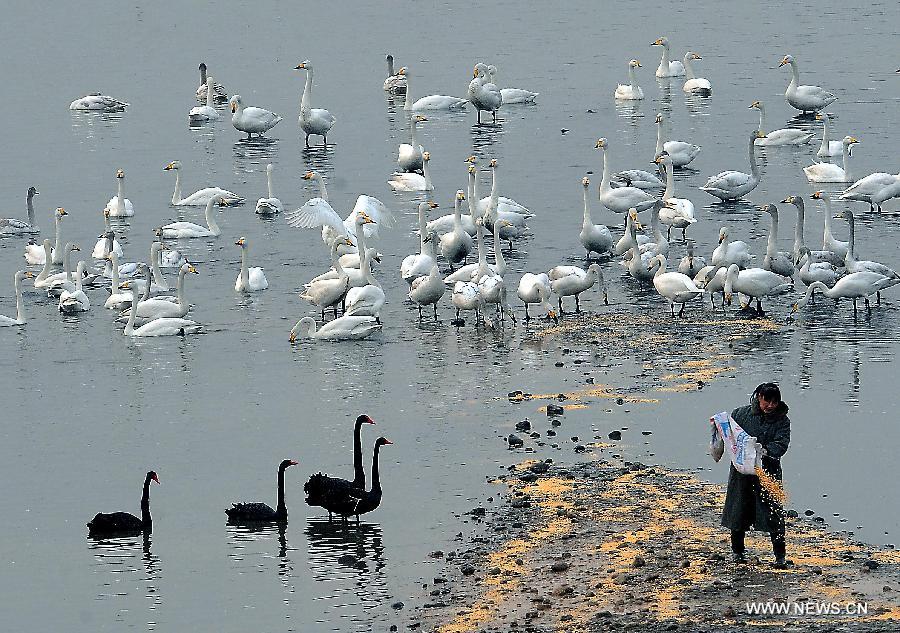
pixel 214 414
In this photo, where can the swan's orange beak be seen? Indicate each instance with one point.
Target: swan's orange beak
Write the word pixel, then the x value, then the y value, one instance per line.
pixel 293 338
pixel 783 62
pixel 240 242
pixel 433 205
pixel 168 167
pixel 299 66
pixel 475 72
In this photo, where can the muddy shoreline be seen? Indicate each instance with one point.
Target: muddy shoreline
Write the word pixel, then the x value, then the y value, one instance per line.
pixel 623 546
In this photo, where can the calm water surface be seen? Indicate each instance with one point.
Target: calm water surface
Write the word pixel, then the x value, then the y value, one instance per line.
pixel 89 411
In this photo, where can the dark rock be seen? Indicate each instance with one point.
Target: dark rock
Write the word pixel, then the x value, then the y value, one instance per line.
pixel 792 514
pixel 638 562
pixel 555 422
pixel 809 513
pixel 524 425
pixel 555 409
pixel 347 559
pixel 521 503
pixel 620 401
pixel 539 467
pixel 615 435
pixel 729 612
pixel 467 570
pixel 439 580
pixel 564 590
pixel 528 478
pixel 574 438
pixel 397 606
pixel 514 440
pixel 871 564
pixel 515 395
pixel 559 363
pixel 560 566
pixel 551 433
pixel 816 570
pixel 437 554
pixel 580 448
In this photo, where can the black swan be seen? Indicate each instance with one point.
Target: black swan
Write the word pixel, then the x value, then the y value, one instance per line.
pixel 262 512
pixel 347 501
pixel 125 523
pixel 321 488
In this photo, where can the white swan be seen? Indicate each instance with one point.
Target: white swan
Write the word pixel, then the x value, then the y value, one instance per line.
pixel 165 326
pixel 14 226
pixel 251 119
pixel 568 281
pixel 620 199
pixel 342 329
pixel 119 205
pixel 97 102
pixel 804 98
pixel 58 282
pixel 357 276
pixel 595 238
pixel 328 293
pixel 116 299
pixel 466 296
pixel 106 242
pixel 854 286
pixel 41 280
pixel 784 136
pixel 727 253
pixel 854 265
pixel 270 205
pixel 514 224
pixel 37 255
pixel 444 223
pixel 681 152
pixel 535 288
pixel 457 244
pixel 874 189
pixel 206 112
pixel 404 181
pixel 695 85
pixel 676 213
pixel 219 91
pixel 71 302
pixel 416 265
pixel 158 307
pixel 427 290
pixel 755 283
pixel 483 94
pixel 313 121
pixel 630 91
pixel 409 155
pixel 202 196
pixel 21 317
pixel 367 300
pixel 828 147
pixel 691 264
pixel 131 269
pixel 471 272
pixel 185 230
pixel 731 185
pixel 829 242
pixel 511 95
pixel 811 271
pixel 777 261
pixel 827 172
pixel 395 83
pixel 799 240
pixel 674 286
pixel 431 102
pixel 505 208
pixel 250 279
pixel 667 68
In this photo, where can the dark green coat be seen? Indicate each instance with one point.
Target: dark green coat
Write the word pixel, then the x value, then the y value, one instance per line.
pixel 744 506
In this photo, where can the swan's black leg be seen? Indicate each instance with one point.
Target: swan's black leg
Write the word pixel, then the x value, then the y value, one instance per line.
pixel 684 234
pixel 878 294
pixel 681 312
pixel 669 233
pixel 307 141
pixel 434 305
pixel 559 302
pixel 323 315
pixel 420 312
pixel 577 305
pixel 527 318
pixel 868 307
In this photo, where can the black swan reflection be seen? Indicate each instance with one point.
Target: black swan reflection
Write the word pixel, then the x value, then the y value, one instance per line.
pixel 125 523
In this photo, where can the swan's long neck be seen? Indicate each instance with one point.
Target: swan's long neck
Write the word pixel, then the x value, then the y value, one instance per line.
pixel 58 247
pixel 631 79
pixel 67 264
pixel 604 180
pixel 361 249
pixel 828 233
pixel 114 259
pixel 457 218
pixel 210 219
pixel 407 102
pixel 203 79
pixel 145 505
pixel 412 135
pixel 48 262
pixel 688 69
pixel 826 134
pixel 269 180
pixel 245 270
pixel 210 92
pixel 499 261
pixel 323 192
pixel 79 274
pixel 281 510
pixel 795 80
pixel 390 63
pixel 851 250
pixel 659 136
pixel 772 244
pixel 20 305
pixel 359 473
pixel 482 254
pixel 588 222
pixel 664 62
pixel 423 229
pixel 376 481
pixel 654 225
pixel 816 285
pixel 754 167
pixel 120 198
pixel 798 232
pixel 495 195
pixel 762 118
pixel 473 196
pixel 670 181
pixel 306 99
pixel 181 275
pixel 427 174
pixel 176 195
pixel 107 226
pixel 129 327
pixel 158 278
pixel 660 263
pixel 846 157
pixel 30 205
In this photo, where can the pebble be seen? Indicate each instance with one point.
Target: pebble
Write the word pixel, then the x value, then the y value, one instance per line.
pixel 555 409
pixel 514 440
pixel 560 566
pixel 467 570
pixel 524 425
pixel 638 562
pixel 397 606
pixel 615 435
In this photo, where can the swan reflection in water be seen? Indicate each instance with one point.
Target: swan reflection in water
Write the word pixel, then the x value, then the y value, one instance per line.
pixel 122 557
pixel 248 540
pixel 249 152
pixel 486 139
pixel 350 557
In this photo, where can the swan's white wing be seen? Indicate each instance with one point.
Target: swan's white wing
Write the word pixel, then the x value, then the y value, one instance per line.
pixel 316 212
pixel 727 180
pixel 375 209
